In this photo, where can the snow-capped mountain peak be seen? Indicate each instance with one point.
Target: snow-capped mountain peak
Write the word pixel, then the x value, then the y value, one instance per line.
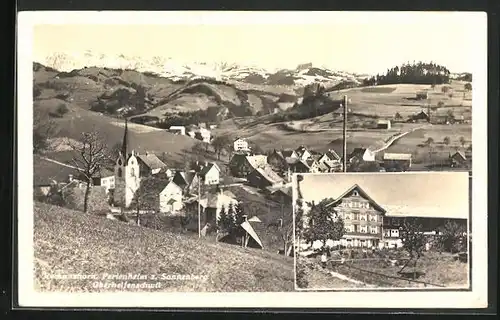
pixel 167 67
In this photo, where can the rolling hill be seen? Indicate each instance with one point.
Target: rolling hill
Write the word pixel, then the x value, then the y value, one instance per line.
pixel 70 242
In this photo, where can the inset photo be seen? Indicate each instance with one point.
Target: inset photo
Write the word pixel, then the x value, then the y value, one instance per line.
pixel 372 231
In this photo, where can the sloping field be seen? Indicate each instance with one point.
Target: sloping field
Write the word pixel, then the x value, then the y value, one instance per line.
pixel 72 243
pixel 141 138
pixel 386 100
pixel 414 141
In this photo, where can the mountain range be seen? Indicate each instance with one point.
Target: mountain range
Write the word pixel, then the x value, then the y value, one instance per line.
pixel 223 71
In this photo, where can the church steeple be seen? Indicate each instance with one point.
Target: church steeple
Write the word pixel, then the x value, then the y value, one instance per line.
pixel 125 142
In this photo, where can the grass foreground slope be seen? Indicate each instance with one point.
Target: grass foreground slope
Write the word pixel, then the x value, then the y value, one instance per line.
pixel 86 253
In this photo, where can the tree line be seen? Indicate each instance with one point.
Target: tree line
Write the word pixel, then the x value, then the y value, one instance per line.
pixel 417 73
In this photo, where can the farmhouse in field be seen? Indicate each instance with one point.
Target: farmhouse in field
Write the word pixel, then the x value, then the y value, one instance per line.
pixel 200 133
pixel 187 181
pixel 458 159
pixel 250 238
pixel 397 161
pixel 422 116
pixel 361 155
pixel 240 145
pixel 384 124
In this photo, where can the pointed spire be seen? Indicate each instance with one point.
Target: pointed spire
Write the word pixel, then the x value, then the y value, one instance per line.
pixel 125 140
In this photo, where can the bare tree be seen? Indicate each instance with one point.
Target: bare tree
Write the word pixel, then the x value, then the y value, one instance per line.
pixel 221 143
pixel 446 140
pixel 462 141
pixel 414 241
pixel 90 155
pixel 146 197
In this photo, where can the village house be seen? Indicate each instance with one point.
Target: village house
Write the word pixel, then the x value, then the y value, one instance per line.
pixel 178 130
pixel 210 174
pixel 105 178
pixel 397 161
pixel 363 218
pixel 373 217
pixel 170 198
pixel 384 124
pixel 212 204
pixel 202 134
pixel 361 155
pixel 422 116
pixel 240 145
pixel 187 181
pixel 330 157
pixel 303 153
pixel 458 159
pixel 241 165
pixel 149 164
pixel 263 177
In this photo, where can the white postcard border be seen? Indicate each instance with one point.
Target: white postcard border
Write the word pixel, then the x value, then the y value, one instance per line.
pixel 27 297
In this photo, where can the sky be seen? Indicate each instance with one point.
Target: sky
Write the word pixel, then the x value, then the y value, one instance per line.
pixel 362 43
pixel 447 193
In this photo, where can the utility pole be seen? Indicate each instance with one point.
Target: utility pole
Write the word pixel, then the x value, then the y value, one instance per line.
pixel 199 206
pixel 344 141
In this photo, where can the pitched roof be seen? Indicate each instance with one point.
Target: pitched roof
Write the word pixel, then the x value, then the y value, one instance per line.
pixel 357 152
pixel 287 153
pixel 207 168
pixel 257 160
pixel 448 192
pixel 254 219
pixel 301 150
pixel 218 200
pixel 397 156
pixel 310 162
pixel 460 153
pixel 248 228
pixel 267 173
pixel 363 193
pixel 331 154
pixel 151 161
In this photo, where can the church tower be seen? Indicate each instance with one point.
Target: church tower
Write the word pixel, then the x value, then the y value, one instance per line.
pixel 127 177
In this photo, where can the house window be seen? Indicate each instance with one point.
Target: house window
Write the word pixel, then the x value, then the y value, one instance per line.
pixel 387 233
pixel 373 217
pixel 119 172
pixel 132 172
pixel 349 228
pixel 355 215
pixel 355 193
pixel 373 230
pixel 347 216
pixel 363 229
pixel 363 217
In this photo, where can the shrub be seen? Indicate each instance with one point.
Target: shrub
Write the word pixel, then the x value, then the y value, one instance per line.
pixel 62 109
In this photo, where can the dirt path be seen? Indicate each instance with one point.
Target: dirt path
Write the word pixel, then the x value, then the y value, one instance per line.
pixel 397 137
